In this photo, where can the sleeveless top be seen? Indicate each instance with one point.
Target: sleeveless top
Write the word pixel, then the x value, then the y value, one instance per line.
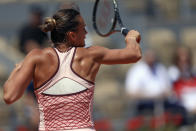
pixel 65 100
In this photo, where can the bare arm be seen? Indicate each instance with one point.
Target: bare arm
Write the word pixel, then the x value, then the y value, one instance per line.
pixel 130 54
pixel 19 79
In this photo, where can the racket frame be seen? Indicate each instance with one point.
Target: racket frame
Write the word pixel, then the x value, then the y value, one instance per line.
pixel 117 18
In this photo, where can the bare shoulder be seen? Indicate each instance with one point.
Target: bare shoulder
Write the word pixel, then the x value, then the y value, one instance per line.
pixel 48 52
pixel 87 52
pixel 92 49
pixel 38 55
pixel 95 48
pixel 97 51
pixel 94 52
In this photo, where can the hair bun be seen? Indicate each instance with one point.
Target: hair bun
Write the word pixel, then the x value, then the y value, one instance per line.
pixel 49 24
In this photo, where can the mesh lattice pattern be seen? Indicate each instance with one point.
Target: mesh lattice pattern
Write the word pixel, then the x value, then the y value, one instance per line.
pixel 67 112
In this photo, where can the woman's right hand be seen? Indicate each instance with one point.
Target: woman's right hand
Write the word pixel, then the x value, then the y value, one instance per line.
pixel 133 35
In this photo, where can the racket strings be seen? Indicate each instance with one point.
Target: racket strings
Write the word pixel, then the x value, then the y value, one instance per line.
pixel 105 16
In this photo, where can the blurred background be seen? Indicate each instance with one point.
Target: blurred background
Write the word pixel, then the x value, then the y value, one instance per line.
pixel 157 93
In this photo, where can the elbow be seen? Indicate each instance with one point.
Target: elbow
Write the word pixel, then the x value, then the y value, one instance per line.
pixel 7 99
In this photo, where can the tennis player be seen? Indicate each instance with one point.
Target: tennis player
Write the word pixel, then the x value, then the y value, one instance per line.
pixel 64 75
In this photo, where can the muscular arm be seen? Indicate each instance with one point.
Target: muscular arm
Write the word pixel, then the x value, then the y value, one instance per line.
pixel 130 54
pixel 20 78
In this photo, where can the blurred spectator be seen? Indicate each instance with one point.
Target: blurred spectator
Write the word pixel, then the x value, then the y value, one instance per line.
pixel 148 85
pixel 31 36
pixel 148 79
pixel 182 67
pixel 184 80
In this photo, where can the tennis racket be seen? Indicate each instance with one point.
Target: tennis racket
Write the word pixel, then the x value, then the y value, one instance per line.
pixel 105 18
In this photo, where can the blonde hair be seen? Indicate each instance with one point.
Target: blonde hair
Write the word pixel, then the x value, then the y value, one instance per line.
pixel 49 24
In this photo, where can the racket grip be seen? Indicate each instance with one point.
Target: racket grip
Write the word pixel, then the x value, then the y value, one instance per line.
pixel 124 31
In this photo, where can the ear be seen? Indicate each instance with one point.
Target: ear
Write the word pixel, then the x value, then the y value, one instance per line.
pixel 72 36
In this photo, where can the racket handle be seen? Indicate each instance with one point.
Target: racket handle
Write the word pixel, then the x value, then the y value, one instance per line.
pixel 124 31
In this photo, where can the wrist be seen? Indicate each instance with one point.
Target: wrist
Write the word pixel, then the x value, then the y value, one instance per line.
pixel 130 38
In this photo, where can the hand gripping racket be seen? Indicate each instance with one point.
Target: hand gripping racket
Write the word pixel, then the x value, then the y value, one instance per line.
pixel 105 18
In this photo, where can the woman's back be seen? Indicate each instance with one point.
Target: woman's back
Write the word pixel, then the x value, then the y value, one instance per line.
pixel 47 64
pixel 66 98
